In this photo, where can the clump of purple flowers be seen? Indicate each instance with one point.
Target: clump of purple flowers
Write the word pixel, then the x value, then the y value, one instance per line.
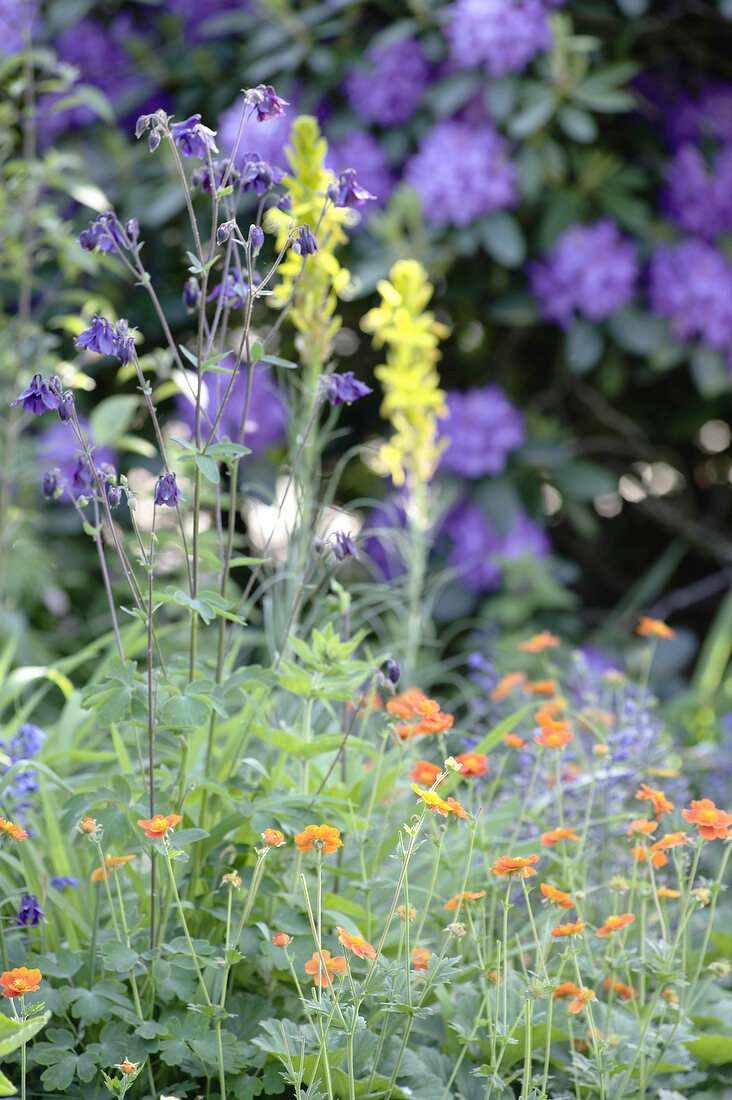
pixel 479 548
pixel 387 90
pixel 483 428
pixel 690 283
pixel 502 35
pixel 108 338
pixel 23 746
pixel 461 172
pixel 591 271
pixel 59 454
pixel 699 194
pixel 266 415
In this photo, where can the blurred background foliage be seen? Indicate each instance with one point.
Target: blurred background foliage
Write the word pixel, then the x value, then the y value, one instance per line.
pixel 562 170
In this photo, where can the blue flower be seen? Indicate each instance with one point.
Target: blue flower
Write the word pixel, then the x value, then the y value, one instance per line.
pixel 267 104
pixel 167 491
pixel 346 191
pixel 38 397
pixel 483 427
pixel 344 546
pixel 99 338
pixel 388 90
pixel 30 911
pixel 503 35
pixel 259 175
pixel 306 244
pixel 193 138
pixel 105 233
pixel 342 389
pixel 60 882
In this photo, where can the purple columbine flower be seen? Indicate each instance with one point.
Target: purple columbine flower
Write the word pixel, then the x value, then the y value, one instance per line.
pixel 193 138
pixel 462 171
pixel 344 546
pixel 267 104
pixel 167 492
pixel 342 389
pixel 125 342
pixel 365 154
pixel 100 338
pixel 592 270
pixel 38 397
pixel 66 406
pixel 51 483
pixel 191 294
pixel 259 175
pixel 104 233
pixel 392 670
pixel 306 244
pixel 346 191
pixel 30 911
pixel 483 428
pixel 203 179
pixel 60 882
pixel 388 90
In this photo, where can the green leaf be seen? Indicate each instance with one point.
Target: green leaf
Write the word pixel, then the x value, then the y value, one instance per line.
pixel 111 418
pixel 119 958
pixel 503 239
pixel 60 1075
pixel 583 481
pixel 190 836
pixel 7 1088
pixel 256 351
pixel 636 331
pixel 13 1033
pixel 709 371
pixel 184 712
pixel 584 345
pixel 534 116
pixel 577 124
pixel 208 467
pixel 711 1050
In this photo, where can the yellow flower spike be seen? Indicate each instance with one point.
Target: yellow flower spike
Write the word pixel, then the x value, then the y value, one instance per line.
pixel 313 310
pixel 413 400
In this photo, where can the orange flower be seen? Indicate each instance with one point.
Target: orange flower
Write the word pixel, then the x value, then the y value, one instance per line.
pixel 653 628
pixel 626 992
pixel 506 684
pixel 421 957
pixel 665 892
pixel 540 642
pixel 456 808
pixel 568 929
pixel 19 981
pixel 583 997
pixel 713 824
pixel 552 894
pixel 554 738
pixel 433 723
pixel 14 831
pixel 703 894
pixel 468 895
pixel 540 687
pixel 641 825
pixel 372 703
pixel 670 840
pixel 402 912
pixel 658 859
pixel 111 863
pixel 424 772
pixel 473 763
pixel 514 741
pixel 231 878
pixel 156 827
pixel 273 837
pixel 566 989
pixel 658 800
pixel 612 924
pixel 336 965
pixel 326 837
pixel 508 865
pixel 357 944
pixel 601 749
pixel 406 704
pixel 88 825
pixel 128 1067
pixel 549 839
pixel 670 996
pixel 550 710
pixel 281 939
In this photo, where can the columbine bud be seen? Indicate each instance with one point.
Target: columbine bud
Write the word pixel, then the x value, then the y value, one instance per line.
pixel 66 406
pixel 191 294
pixel 255 240
pixel 306 244
pixel 344 546
pixel 392 671
pixel 223 233
pixel 132 229
pixel 285 204
pixel 154 140
pixel 50 483
pixel 114 496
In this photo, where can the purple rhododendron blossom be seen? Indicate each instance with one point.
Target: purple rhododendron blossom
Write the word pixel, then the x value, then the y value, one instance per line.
pixel 699 193
pixel 363 152
pixel 478 547
pixel 388 89
pixel 592 270
pixel 16 17
pixel 462 172
pixel 384 530
pixel 483 427
pixel 691 284
pixel 699 118
pixel 502 35
pixel 267 415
